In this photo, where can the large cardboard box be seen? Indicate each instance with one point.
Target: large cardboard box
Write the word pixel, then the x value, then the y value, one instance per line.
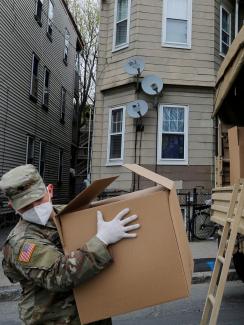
pixel 154 268
pixel 236 153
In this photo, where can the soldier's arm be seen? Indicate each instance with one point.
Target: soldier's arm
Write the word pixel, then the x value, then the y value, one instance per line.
pixel 49 268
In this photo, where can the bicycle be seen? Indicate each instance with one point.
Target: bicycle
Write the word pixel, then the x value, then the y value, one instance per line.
pixel 203 227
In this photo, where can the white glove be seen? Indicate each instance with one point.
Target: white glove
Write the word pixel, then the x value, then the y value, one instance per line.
pixel 112 231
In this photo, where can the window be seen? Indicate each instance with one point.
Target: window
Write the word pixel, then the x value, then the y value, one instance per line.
pixel 38 13
pixel 225 30
pixel 42 157
pixel 66 45
pixel 45 97
pixel 30 149
pixel 60 165
pixel 177 21
pixel 77 62
pixel 34 77
pixel 173 135
pixel 116 136
pixel 63 100
pixel 50 20
pixel 121 24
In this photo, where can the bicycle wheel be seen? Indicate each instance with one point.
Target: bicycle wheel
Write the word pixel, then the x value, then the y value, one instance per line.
pixel 204 228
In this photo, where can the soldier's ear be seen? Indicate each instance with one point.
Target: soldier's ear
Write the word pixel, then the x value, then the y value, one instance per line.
pixel 50 190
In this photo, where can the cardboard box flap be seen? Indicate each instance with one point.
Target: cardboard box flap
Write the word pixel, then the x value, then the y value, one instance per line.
pixel 89 194
pixel 165 182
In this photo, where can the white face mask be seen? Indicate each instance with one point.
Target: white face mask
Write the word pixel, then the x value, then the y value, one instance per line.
pixel 39 214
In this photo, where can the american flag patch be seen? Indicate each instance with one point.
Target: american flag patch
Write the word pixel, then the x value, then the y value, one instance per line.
pixel 26 252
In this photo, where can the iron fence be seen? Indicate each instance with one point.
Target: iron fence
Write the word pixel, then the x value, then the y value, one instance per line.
pixel 190 202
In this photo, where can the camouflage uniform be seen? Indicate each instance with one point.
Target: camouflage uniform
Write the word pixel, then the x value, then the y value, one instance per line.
pixel 33 257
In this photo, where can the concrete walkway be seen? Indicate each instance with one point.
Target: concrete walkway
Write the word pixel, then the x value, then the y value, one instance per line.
pixel 204 249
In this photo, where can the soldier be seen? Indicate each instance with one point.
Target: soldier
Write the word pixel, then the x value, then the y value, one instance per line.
pixel 33 255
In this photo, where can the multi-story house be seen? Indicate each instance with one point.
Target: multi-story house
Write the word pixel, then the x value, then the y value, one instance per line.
pixel 39 94
pixel 183 42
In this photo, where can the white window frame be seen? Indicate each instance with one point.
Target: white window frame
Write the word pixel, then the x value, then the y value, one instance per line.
pixel 42 143
pixel 186 45
pixel 126 44
pixel 116 161
pixel 221 18
pixel 27 147
pixel 184 161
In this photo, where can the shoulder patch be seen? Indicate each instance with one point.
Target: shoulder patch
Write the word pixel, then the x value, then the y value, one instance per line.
pixel 26 252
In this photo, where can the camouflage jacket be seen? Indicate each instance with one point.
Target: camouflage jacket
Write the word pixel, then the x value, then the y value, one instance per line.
pixel 33 257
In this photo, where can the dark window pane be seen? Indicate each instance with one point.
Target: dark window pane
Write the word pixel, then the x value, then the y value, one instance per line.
pixel 115 146
pixel 30 150
pixel 34 87
pixel 43 150
pixel 35 66
pixel 63 100
pixel 225 20
pixel 45 98
pixel 172 146
pixel 46 78
pixel 116 121
pixel 121 33
pixel 42 159
pixel 39 9
pixel 46 88
pixel 225 37
pixel 65 54
pixel 225 48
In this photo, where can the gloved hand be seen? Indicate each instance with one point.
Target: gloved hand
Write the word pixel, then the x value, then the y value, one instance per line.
pixel 112 231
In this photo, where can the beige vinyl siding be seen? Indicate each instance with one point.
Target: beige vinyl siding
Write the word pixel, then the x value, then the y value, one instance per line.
pixel 175 66
pixel 201 138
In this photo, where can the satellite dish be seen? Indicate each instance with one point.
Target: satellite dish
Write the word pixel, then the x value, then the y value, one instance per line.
pixel 137 108
pixel 152 85
pixel 134 66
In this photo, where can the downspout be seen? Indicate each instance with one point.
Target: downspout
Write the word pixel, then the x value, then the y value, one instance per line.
pixel 237 17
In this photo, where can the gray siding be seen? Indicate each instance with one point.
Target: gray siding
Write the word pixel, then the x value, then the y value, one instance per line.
pixel 20 36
